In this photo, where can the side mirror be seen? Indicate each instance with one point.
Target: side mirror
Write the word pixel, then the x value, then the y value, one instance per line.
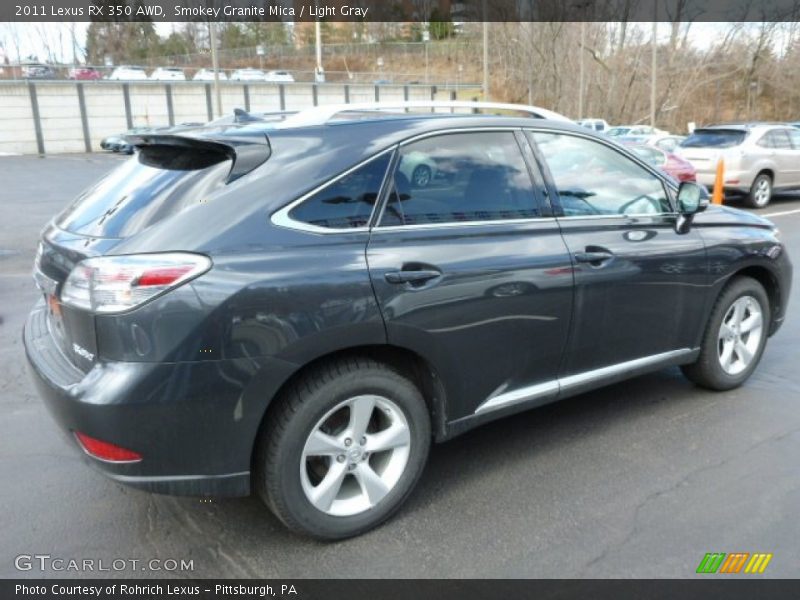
pixel 692 199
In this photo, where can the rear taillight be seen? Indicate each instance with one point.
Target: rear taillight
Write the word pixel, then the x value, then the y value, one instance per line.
pixel 113 284
pixel 105 450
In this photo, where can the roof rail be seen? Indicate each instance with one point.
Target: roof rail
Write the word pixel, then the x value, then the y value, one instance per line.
pixel 320 115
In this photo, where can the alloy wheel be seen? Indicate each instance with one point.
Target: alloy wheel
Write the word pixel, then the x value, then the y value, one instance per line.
pixel 762 192
pixel 355 455
pixel 740 335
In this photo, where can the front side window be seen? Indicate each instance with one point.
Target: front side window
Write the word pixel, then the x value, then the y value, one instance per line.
pixel 794 136
pixel 594 179
pixel 460 177
pixel 347 202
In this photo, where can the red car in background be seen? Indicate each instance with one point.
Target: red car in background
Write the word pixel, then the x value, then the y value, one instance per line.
pixel 680 169
pixel 84 74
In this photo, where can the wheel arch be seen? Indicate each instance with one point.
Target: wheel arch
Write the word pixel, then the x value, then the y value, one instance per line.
pixel 411 364
pixel 767 171
pixel 769 282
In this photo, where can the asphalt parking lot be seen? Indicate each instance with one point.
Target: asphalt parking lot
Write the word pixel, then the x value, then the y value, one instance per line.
pixel 639 479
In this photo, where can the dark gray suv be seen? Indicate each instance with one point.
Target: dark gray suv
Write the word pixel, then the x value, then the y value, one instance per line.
pixel 278 307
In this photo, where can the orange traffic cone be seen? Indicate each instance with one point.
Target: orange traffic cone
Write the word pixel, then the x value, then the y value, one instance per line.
pixel 718 196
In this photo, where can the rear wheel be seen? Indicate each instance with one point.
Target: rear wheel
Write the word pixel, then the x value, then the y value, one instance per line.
pixel 343 448
pixel 760 192
pixel 735 337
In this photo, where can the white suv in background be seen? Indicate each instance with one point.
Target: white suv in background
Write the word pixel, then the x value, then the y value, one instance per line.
pixel 759 158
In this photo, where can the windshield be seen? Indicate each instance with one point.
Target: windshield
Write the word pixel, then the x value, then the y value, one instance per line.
pixel 714 138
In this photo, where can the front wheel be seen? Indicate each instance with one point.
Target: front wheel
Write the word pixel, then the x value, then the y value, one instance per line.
pixel 343 448
pixel 735 337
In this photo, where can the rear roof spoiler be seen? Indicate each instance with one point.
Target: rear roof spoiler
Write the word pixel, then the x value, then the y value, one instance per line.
pixel 245 151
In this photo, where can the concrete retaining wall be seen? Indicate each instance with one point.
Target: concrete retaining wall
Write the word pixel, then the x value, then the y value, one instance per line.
pixel 64 116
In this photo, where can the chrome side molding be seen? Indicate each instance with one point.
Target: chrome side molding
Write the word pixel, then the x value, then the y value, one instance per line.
pixel 571 382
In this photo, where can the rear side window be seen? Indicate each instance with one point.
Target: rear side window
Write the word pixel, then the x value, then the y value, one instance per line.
pixel 347 202
pixel 777 138
pixel 714 138
pixel 461 177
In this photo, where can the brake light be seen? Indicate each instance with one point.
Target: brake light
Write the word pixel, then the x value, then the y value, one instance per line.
pixel 105 450
pixel 113 284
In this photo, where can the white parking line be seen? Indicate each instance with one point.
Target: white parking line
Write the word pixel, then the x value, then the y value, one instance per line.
pixel 780 214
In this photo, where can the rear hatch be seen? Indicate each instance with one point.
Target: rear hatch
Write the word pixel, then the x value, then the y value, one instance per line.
pixel 705 147
pixel 168 175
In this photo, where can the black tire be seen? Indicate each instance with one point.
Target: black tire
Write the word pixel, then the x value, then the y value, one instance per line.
pixel 756 197
pixel 422 173
pixel 707 371
pixel 288 424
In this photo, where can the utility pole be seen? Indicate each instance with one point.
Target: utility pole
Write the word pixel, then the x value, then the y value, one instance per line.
pixel 653 67
pixel 318 43
pixel 485 56
pixel 582 71
pixel 212 28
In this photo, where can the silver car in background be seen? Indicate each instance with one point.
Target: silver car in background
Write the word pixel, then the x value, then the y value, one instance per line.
pixel 759 158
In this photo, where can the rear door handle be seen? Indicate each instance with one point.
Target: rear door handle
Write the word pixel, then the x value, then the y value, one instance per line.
pixel 593 257
pixel 411 276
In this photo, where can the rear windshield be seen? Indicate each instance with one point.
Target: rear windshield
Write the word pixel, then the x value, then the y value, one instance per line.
pixel 714 138
pixel 157 183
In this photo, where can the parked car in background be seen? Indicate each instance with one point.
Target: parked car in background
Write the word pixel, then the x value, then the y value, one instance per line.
pixel 128 73
pixel 311 343
pixel 84 74
pixel 635 133
pixel 595 124
pixel 168 74
pixel 278 77
pixel 667 142
pixel 117 143
pixel 759 158
pixel 120 143
pixel 419 168
pixel 673 165
pixel 208 75
pixel 247 75
pixel 38 71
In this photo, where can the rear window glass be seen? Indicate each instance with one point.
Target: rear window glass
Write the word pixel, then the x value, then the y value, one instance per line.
pixel 143 190
pixel 714 138
pixel 347 202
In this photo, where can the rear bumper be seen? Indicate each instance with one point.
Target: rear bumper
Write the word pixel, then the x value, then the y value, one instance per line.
pixel 194 423
pixel 743 180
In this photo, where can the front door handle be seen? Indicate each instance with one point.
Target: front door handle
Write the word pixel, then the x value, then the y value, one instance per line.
pixel 594 257
pixel 412 277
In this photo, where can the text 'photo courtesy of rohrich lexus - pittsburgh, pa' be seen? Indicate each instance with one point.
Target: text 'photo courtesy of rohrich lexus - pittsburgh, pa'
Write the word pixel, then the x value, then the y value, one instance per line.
pixel 297 306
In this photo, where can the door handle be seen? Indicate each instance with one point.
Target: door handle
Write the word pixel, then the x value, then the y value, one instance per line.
pixel 419 276
pixel 596 257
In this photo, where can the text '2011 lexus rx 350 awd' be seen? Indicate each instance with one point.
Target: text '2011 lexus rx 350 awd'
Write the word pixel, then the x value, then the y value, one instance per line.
pixel 298 307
